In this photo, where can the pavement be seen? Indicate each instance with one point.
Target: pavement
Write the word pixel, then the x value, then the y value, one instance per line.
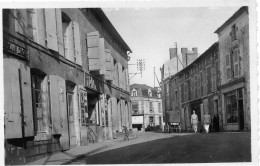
pixel 77 153
pixel 154 147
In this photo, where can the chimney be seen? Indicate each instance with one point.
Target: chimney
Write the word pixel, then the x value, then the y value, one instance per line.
pixel 173 52
pixel 184 52
pixel 195 50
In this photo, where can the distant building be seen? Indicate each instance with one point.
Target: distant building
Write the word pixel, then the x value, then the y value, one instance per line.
pixel 179 61
pixel 146 107
pixel 192 88
pixel 235 71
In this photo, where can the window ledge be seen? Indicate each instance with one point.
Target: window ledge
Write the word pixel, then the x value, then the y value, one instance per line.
pixel 41 136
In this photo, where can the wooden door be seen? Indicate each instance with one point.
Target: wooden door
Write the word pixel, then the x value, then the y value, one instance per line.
pixel 72 134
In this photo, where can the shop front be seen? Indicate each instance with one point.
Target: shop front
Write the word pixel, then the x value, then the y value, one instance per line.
pixel 233 107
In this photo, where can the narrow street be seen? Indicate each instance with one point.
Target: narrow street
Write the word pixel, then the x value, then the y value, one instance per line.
pixel 177 148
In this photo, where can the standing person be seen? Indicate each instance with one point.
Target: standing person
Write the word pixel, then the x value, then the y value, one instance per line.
pixel 207 121
pixel 194 121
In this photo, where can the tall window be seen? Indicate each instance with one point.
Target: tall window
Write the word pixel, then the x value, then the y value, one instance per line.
pixel 84 108
pixel 151 106
pixel 135 107
pixel 159 107
pixel 134 92
pixel 37 81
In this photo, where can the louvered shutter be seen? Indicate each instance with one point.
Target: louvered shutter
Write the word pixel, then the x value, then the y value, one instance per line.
pixel 21 21
pixel 236 62
pixel 228 67
pixel 27 100
pixel 108 75
pixel 51 29
pixel 102 56
pixel 120 74
pixel 77 43
pixel 59 32
pixel 12 102
pixel 30 14
pixel 41 33
pixel 93 51
pixel 55 104
pixel 213 78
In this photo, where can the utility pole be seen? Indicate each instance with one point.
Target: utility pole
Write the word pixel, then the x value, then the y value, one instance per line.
pixel 154 77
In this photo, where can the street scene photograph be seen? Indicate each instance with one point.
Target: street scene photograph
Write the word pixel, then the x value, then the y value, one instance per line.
pixel 132 82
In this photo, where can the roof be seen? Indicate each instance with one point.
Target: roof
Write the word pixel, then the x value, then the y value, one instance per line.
pixel 111 29
pixel 142 90
pixel 233 17
pixel 142 86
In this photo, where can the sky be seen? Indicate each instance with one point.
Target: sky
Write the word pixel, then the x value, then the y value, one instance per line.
pixel 150 32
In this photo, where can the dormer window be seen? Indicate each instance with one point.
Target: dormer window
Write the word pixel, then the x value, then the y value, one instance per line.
pixel 149 93
pixel 134 92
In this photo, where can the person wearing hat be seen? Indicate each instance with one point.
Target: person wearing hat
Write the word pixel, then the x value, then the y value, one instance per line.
pixel 194 121
pixel 207 121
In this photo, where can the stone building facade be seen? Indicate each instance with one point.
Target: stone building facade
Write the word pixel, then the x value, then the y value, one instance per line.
pixel 192 88
pixel 235 71
pixel 146 107
pixel 65 81
pixel 217 82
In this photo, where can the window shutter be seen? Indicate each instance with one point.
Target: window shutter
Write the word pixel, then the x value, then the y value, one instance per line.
pixel 77 43
pixel 236 62
pixel 213 78
pixel 12 102
pixel 55 105
pixel 93 51
pixel 21 21
pixel 59 32
pixel 70 42
pixel 30 26
pixel 108 75
pixel 209 90
pixel 64 139
pixel 102 55
pixel 51 29
pixel 41 33
pixel 228 68
pixel 27 100
pixel 120 74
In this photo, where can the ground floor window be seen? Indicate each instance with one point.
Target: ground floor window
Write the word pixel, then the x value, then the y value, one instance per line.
pixel 37 94
pixel 151 121
pixel 231 107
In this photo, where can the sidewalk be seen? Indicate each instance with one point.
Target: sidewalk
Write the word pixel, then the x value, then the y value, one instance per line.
pixel 72 155
pixel 65 157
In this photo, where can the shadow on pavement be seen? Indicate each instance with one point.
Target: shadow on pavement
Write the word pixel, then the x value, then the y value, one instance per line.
pixel 195 148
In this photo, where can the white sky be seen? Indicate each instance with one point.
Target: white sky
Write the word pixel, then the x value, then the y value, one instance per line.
pixel 150 32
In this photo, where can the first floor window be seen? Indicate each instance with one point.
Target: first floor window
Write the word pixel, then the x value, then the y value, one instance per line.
pixel 135 108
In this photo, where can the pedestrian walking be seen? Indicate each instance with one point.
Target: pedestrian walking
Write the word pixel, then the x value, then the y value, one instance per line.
pixel 207 121
pixel 194 121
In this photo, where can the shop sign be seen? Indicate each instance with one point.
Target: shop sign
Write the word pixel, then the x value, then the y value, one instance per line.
pixel 16 49
pixel 93 83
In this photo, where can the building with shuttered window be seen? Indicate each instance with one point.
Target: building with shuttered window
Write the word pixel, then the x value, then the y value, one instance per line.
pixel 235 72
pixel 192 88
pixel 65 81
pixel 146 107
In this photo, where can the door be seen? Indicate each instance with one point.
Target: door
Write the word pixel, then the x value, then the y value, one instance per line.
pixel 72 134
pixel 241 109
